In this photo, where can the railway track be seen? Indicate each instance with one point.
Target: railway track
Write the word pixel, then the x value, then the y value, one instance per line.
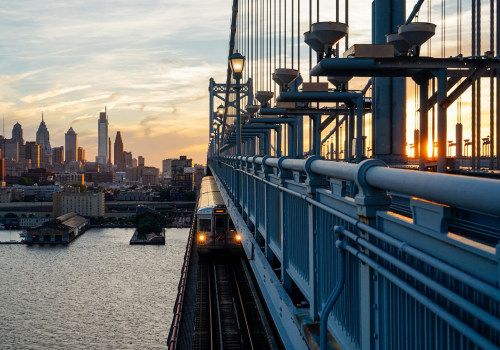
pixel 228 316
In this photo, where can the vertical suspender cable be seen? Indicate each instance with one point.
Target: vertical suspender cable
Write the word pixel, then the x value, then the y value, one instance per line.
pixel 473 115
pixel 293 36
pixel 310 50
pixel 284 34
pixel 298 35
pixel 492 84
pixel 498 87
pixel 478 91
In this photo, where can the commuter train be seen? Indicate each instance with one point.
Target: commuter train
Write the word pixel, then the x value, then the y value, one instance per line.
pixel 214 227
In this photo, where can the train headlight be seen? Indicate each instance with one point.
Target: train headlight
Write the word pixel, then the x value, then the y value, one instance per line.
pixel 238 238
pixel 201 238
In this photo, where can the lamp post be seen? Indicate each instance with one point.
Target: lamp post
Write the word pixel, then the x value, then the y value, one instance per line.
pixel 237 63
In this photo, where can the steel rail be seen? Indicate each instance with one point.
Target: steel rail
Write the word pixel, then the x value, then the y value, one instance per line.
pixel 242 304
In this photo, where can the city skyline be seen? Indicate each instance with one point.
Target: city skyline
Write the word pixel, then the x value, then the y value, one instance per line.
pixel 41 138
pixel 141 60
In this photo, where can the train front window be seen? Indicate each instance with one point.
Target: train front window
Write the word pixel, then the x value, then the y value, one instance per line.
pixel 204 225
pixel 220 224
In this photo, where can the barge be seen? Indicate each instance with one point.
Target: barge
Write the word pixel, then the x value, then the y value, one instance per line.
pixel 62 230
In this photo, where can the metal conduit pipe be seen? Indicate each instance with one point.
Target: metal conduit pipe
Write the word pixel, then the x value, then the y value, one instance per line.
pixel 454 298
pixel 318 96
pixel 415 11
pixel 476 194
pixel 433 307
pixel 463 277
pixel 332 299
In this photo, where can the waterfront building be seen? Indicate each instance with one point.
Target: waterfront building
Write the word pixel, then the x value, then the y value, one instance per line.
pixel 61 230
pixel 57 155
pixel 81 155
pixel 29 222
pixel 119 154
pixel 43 140
pixel 86 204
pixel 17 133
pixel 71 145
pixel 102 138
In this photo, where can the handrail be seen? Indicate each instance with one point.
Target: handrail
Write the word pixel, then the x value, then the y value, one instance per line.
pixel 172 342
pixel 476 194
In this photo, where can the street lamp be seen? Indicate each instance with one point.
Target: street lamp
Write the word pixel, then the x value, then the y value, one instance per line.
pixel 237 63
pixel 220 110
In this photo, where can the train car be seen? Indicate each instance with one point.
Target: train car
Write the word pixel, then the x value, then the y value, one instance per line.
pixel 214 227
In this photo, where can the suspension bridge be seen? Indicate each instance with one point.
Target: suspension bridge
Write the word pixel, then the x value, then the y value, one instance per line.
pixel 356 147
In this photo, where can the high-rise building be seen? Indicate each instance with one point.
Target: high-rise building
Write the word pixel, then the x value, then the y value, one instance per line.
pixel 17 133
pixel 141 161
pixel 71 145
pixel 182 176
pixel 32 150
pixel 43 139
pixel 109 150
pixel 58 155
pixel 167 168
pixel 119 155
pixel 103 139
pixel 81 154
pixel 127 157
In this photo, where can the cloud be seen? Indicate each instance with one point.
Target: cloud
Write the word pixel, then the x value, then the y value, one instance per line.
pixel 53 93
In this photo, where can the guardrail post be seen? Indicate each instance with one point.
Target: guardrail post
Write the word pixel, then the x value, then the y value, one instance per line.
pixel 264 174
pixel 313 182
pixel 368 200
pixel 284 174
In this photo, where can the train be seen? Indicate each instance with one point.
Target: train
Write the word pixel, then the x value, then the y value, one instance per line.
pixel 214 227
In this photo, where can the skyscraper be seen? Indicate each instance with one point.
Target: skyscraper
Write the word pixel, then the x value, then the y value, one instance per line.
pixel 80 154
pixel 71 145
pixel 42 139
pixel 58 155
pixel 102 141
pixel 17 133
pixel 119 155
pixel 109 150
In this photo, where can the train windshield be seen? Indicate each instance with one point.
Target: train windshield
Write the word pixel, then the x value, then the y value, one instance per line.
pixel 220 224
pixel 205 225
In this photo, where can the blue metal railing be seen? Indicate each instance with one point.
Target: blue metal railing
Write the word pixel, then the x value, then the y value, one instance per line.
pixel 409 283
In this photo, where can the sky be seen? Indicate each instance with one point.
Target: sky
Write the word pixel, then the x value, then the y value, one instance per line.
pixel 148 61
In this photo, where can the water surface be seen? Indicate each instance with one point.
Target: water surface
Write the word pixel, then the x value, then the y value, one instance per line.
pixel 96 293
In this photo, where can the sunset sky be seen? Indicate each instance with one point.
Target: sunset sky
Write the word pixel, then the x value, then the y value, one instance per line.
pixel 148 61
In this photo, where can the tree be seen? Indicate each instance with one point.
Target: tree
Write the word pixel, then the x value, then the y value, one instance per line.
pixel 11 215
pixel 25 181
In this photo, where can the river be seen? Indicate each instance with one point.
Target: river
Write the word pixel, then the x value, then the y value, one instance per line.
pixel 96 293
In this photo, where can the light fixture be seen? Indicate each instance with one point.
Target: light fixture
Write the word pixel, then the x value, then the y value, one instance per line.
pixel 237 63
pixel 220 110
pixel 238 238
pixel 201 238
